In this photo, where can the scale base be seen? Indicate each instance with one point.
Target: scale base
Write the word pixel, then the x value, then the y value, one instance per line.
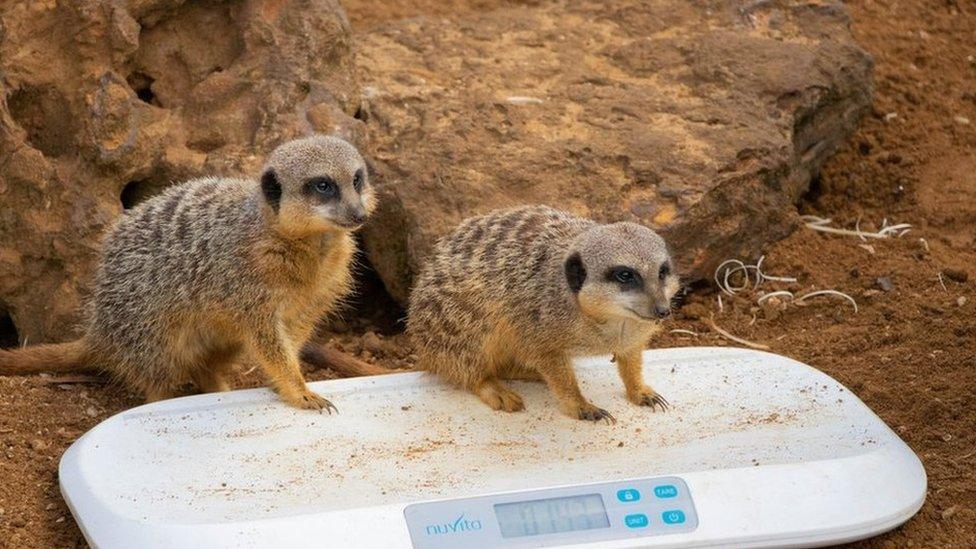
pixel 773 453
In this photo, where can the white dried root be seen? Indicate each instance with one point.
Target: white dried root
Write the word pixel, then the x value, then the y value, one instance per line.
pixel 727 335
pixel 733 266
pixel 780 293
pixel 827 292
pixel 523 100
pixel 823 225
pixel 730 267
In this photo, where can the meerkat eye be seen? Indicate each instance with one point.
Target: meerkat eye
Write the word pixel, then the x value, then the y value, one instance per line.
pixel 625 276
pixel 323 186
pixel 665 271
pixel 358 181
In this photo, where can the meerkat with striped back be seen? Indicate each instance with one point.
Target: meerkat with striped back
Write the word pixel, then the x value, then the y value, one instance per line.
pixel 214 267
pixel 517 293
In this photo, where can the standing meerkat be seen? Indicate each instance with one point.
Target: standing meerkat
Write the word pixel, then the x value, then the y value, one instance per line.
pixel 216 266
pixel 517 293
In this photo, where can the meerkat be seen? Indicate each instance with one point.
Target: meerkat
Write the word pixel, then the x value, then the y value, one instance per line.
pixel 517 293
pixel 214 267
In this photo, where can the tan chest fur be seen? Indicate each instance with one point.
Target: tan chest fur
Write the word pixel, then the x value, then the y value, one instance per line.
pixel 313 277
pixel 614 336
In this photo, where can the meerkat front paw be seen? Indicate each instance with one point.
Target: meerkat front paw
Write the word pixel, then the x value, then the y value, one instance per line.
pixel 589 412
pixel 648 397
pixel 307 400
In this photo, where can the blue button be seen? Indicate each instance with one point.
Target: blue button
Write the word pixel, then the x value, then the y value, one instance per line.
pixel 673 517
pixel 628 496
pixel 665 491
pixel 638 520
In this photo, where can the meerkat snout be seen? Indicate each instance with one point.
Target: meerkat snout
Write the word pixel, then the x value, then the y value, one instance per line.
pixel 332 192
pixel 622 270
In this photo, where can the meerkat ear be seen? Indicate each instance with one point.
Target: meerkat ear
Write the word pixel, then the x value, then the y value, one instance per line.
pixel 575 272
pixel 271 189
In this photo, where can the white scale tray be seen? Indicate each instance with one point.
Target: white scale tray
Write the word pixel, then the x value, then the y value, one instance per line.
pixel 773 453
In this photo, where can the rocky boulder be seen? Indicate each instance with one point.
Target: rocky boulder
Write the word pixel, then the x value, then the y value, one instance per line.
pixel 705 120
pixel 105 103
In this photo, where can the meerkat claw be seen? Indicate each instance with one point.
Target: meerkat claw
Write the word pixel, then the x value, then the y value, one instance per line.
pixel 329 407
pixel 312 401
pixel 596 414
pixel 656 401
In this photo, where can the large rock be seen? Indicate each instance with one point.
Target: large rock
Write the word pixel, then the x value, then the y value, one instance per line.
pixel 105 103
pixel 703 119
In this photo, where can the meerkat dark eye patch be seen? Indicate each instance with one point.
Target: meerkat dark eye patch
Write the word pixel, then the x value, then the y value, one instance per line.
pixel 323 187
pixel 575 272
pixel 625 276
pixel 359 180
pixel 271 189
pixel 664 271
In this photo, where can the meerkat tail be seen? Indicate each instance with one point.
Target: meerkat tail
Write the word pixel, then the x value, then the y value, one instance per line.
pixel 344 364
pixel 54 358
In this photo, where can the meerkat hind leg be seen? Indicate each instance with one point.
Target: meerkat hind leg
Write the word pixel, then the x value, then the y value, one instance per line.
pixel 630 366
pixel 210 375
pixel 497 396
pixel 209 381
pixel 155 394
pixel 523 374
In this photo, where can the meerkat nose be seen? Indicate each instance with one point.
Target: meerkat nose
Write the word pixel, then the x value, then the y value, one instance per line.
pixel 358 217
pixel 662 310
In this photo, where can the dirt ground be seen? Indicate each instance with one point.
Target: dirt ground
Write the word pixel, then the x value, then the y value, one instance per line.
pixel 909 352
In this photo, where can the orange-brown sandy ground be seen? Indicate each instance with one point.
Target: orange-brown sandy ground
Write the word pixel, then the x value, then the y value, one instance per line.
pixel 909 353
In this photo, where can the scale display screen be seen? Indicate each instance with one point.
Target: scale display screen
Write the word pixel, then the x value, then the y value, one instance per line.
pixel 552 515
pixel 570 514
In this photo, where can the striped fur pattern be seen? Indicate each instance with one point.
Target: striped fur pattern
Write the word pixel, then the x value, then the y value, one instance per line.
pixel 497 301
pixel 215 267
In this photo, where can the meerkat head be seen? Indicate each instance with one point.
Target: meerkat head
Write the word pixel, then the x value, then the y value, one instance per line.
pixel 621 270
pixel 318 183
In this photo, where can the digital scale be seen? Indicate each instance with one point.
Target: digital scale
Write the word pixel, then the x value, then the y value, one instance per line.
pixel 757 450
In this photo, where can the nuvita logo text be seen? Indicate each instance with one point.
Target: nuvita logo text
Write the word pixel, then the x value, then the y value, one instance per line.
pixel 460 524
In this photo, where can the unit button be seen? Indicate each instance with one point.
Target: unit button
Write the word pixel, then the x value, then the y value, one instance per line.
pixel 673 517
pixel 628 495
pixel 637 520
pixel 665 491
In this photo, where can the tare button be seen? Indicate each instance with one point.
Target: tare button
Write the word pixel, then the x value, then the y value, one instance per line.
pixel 628 495
pixel 637 520
pixel 665 491
pixel 673 517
